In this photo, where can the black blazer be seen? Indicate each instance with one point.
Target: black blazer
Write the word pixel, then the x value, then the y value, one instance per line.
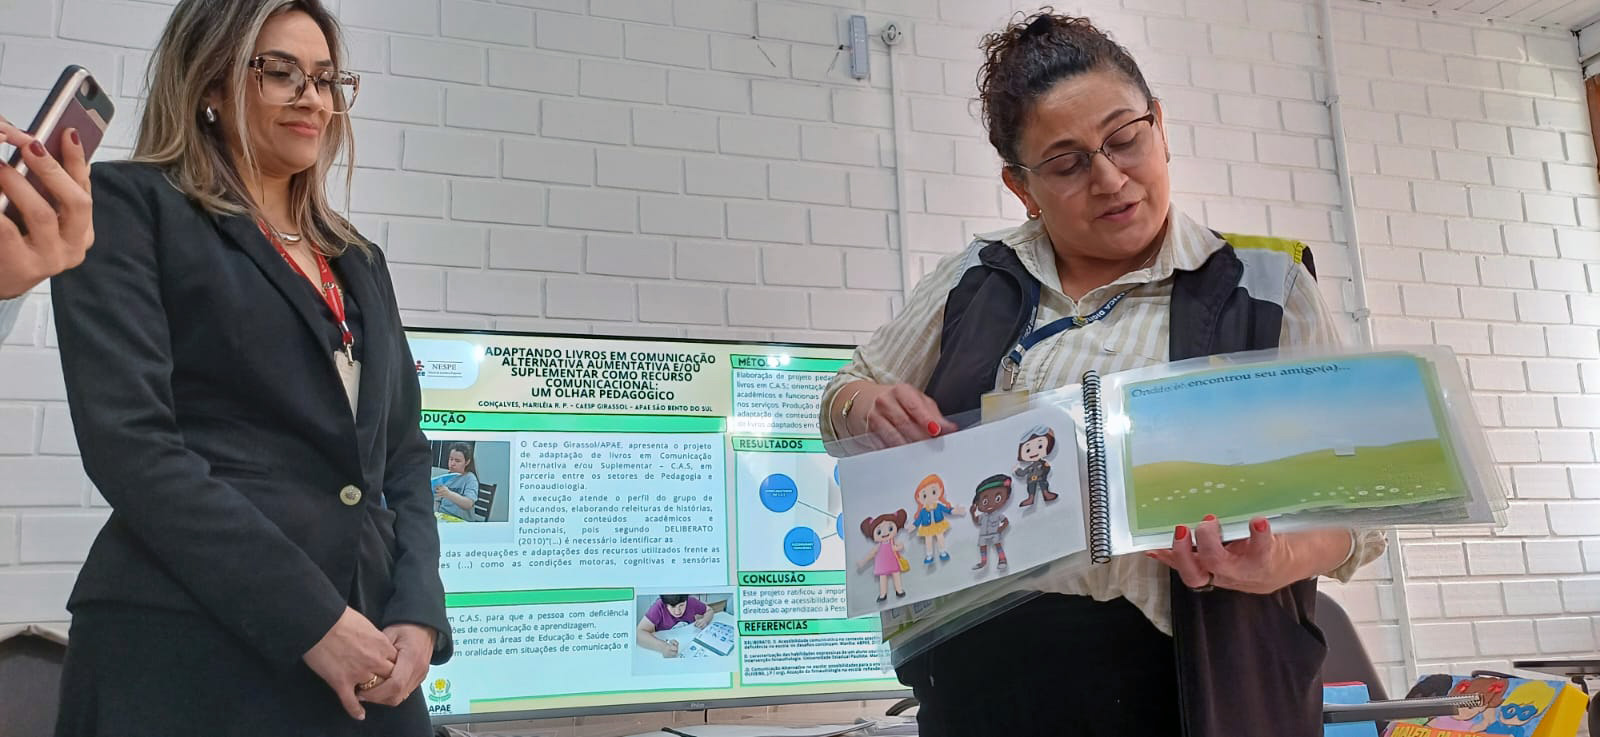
pixel 211 416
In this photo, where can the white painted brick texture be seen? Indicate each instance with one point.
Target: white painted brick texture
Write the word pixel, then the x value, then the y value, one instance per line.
pixel 1481 150
pixel 708 168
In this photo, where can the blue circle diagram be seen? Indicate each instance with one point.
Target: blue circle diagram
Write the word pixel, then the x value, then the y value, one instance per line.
pixel 838 526
pixel 779 493
pixel 802 546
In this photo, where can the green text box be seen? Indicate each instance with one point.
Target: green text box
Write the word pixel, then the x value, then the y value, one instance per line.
pixel 768 627
pixel 540 422
pixel 786 363
pixel 541 596
pixel 754 579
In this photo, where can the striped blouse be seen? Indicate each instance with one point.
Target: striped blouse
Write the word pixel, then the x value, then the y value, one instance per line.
pixel 1134 335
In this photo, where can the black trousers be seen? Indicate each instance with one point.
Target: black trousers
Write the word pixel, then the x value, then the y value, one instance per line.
pixel 138 672
pixel 1057 665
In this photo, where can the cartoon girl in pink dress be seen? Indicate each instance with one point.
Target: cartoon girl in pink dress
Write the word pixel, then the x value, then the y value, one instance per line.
pixel 886 559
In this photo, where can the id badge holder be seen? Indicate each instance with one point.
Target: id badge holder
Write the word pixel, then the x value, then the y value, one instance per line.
pixel 1005 399
pixel 350 376
pixel 1000 404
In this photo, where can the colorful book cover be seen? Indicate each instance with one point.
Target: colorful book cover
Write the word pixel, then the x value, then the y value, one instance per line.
pixel 1508 706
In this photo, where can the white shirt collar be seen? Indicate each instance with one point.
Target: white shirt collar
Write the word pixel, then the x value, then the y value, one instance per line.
pixel 1185 247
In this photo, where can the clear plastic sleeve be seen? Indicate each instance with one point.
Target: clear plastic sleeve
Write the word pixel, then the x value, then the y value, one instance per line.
pixel 1363 437
pixel 1307 437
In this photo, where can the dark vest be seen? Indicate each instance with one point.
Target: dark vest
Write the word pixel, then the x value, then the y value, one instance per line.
pixel 1248 664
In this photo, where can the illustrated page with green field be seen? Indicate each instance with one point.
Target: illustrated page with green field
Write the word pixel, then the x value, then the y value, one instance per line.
pixel 584 486
pixel 1355 432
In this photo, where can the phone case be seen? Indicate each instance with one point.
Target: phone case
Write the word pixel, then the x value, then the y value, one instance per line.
pixel 66 107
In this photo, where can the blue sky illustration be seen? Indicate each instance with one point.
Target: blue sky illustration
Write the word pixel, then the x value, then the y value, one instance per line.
pixel 1373 401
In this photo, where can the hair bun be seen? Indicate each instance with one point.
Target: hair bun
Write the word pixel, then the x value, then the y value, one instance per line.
pixel 1040 26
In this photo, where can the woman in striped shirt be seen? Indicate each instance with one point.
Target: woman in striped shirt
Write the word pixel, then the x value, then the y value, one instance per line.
pixel 1086 153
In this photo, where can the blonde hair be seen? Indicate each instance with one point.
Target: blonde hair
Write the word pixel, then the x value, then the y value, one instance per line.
pixel 207 46
pixel 932 479
pixel 1537 693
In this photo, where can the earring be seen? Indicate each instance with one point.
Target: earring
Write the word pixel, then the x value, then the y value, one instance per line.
pixel 211 115
pixel 1034 215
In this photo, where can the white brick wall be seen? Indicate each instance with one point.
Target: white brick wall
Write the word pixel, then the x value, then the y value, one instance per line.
pixel 1483 181
pixel 708 168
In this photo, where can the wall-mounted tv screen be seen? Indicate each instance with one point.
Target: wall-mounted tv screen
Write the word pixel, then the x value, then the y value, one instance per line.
pixel 631 524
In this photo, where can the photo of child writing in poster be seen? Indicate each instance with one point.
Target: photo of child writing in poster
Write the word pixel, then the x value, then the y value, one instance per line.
pixel 684 633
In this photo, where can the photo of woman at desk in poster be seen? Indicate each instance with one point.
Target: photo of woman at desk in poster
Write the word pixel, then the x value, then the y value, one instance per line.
pixel 456 494
pixel 466 477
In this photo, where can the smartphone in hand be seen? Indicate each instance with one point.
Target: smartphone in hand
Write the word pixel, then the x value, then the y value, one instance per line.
pixel 77 101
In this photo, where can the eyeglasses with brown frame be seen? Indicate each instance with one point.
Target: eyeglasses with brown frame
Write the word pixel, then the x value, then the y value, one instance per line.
pixel 282 82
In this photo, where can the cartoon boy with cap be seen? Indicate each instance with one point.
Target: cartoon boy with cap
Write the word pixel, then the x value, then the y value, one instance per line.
pixel 1038 445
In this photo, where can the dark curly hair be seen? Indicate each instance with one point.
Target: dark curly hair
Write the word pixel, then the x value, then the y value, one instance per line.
pixel 1028 58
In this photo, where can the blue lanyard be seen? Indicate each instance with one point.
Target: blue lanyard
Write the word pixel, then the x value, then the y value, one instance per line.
pixel 1012 363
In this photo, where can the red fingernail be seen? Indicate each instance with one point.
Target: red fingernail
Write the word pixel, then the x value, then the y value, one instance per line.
pixel 933 429
pixel 1259 525
pixel 73 134
pixel 1149 555
pixel 37 148
pixel 1180 533
pixel 1211 518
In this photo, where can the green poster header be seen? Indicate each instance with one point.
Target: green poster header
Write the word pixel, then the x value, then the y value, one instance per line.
pixel 778 445
pixel 753 579
pixel 543 596
pixel 786 363
pixel 540 422
pixel 766 627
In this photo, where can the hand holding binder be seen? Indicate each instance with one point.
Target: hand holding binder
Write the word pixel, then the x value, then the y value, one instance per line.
pixel 1259 564
pixel 1244 447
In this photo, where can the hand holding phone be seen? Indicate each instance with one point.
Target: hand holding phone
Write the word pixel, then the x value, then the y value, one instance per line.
pixel 48 221
pixel 58 236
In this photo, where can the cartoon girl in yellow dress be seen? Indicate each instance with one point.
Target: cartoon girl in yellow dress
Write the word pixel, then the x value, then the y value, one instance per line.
pixel 932 520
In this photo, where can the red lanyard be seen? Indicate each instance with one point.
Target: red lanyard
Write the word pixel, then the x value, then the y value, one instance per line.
pixel 331 294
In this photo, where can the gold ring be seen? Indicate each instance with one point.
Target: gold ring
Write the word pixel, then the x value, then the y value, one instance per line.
pixel 370 684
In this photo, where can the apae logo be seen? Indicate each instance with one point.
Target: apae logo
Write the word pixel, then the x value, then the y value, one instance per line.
pixel 439 690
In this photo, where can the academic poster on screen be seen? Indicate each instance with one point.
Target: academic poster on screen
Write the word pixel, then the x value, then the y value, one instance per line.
pixel 634 521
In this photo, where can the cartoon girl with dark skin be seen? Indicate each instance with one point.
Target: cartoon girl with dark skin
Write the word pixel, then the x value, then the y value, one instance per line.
pixel 931 521
pixel 885 560
pixel 987 502
pixel 1038 445
pixel 1474 719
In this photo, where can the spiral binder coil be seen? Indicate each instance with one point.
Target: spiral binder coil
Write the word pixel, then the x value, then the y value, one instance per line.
pixel 1099 502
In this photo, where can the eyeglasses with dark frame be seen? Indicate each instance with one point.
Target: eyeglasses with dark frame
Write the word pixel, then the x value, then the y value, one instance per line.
pixel 282 82
pixel 1126 147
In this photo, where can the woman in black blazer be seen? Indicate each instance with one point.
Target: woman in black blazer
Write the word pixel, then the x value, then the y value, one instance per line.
pixel 270 566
